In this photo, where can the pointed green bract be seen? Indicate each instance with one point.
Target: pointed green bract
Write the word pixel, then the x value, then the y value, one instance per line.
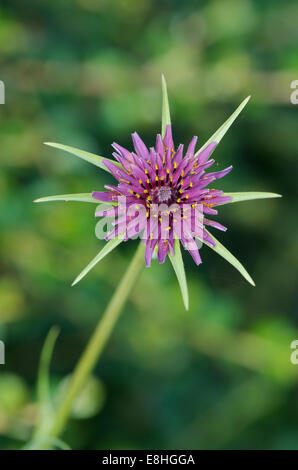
pixel 249 196
pixel 89 157
pixel 218 135
pixel 81 197
pixel 165 116
pixel 109 246
pixel 176 260
pixel 178 265
pixel 224 252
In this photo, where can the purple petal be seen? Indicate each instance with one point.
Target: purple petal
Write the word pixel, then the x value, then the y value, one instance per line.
pixel 179 154
pixel 208 239
pixel 205 154
pixel 215 224
pixel 163 248
pixel 150 245
pixel 114 169
pixel 123 151
pixel 196 256
pixel 139 146
pixel 192 146
pixel 222 173
pixel 159 145
pixel 168 139
pixel 105 196
pixel 209 210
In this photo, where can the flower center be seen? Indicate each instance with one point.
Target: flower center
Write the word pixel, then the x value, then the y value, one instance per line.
pixel 164 194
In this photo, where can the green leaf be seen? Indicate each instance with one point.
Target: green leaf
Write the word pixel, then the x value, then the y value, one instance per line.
pixel 43 387
pixel 178 265
pixel 82 197
pixel 166 118
pixel 222 251
pixel 109 246
pixel 218 135
pixel 43 383
pixel 248 196
pixel 89 157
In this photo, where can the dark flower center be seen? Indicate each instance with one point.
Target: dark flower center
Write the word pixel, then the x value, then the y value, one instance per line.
pixel 163 195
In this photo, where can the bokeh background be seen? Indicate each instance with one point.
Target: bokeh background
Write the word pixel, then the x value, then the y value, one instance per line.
pixel 86 73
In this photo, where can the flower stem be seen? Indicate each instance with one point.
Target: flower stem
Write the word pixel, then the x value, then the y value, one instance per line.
pixel 98 340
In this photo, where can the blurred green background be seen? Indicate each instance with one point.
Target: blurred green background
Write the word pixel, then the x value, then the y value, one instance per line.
pixel 86 73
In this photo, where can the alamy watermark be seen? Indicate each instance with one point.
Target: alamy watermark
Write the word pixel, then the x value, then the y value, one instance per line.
pixel 294 94
pixel 294 355
pixel 2 92
pixel 2 353
pixel 152 222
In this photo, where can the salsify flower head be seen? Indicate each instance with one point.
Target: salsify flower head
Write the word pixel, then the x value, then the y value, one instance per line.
pixel 163 195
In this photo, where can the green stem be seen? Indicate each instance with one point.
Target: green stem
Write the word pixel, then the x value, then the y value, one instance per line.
pixel 98 340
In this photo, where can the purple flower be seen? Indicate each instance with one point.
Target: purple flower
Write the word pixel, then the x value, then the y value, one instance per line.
pixel 166 190
pixel 162 195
